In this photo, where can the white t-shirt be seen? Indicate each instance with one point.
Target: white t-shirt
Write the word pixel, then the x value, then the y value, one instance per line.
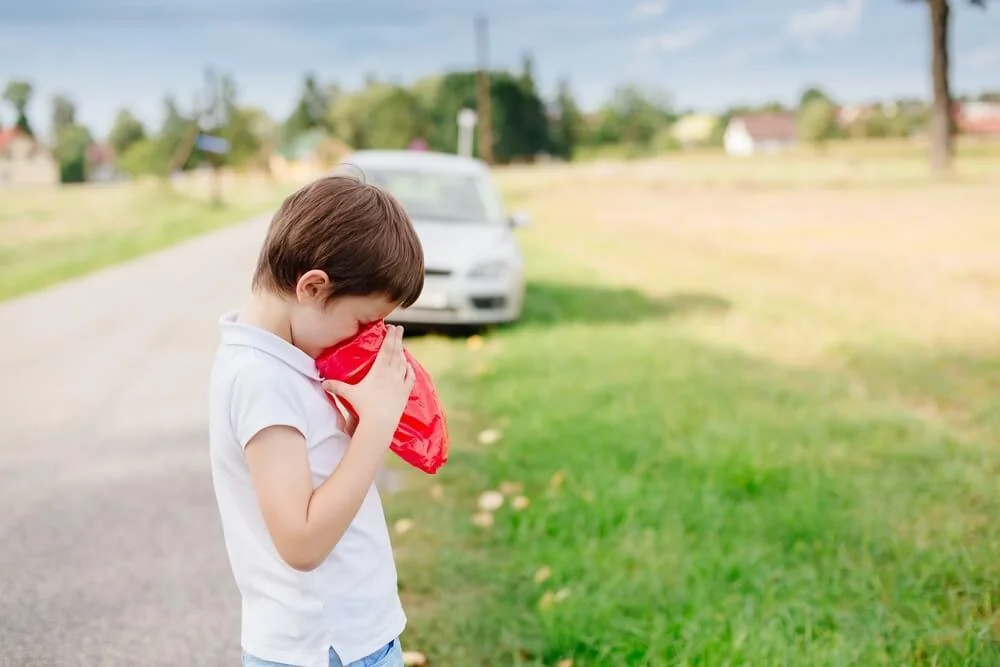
pixel 351 601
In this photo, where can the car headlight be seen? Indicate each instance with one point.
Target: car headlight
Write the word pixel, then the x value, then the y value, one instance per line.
pixel 493 268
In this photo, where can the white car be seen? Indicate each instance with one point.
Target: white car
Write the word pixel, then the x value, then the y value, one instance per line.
pixel 474 266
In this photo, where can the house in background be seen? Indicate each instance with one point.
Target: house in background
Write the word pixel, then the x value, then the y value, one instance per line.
pixel 101 164
pixel 24 161
pixel 750 134
pixel 981 119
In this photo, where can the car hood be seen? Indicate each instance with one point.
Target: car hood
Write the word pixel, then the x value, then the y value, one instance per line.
pixel 454 246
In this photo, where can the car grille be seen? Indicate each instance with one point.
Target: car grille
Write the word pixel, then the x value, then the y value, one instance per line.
pixel 489 302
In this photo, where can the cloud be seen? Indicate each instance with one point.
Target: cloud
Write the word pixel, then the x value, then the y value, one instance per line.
pixel 677 40
pixel 983 57
pixel 650 8
pixel 835 19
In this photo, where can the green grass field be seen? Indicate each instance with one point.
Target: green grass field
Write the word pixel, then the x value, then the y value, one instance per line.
pixel 752 411
pixel 754 426
pixel 48 235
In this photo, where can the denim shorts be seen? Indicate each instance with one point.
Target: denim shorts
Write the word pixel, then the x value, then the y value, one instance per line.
pixel 390 655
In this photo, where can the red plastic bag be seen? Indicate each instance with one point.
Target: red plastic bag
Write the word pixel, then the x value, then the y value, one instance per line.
pixel 421 439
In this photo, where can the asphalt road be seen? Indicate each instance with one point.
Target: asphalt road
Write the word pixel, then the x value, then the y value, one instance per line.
pixel 110 547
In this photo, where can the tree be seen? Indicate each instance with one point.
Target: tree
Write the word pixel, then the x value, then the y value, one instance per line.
pixel 512 109
pixel 71 150
pixel 126 131
pixel 310 111
pixel 396 120
pixel 243 130
pixel 176 128
pixel 265 130
pixel 351 116
pixel 63 113
pixel 633 116
pixel 144 156
pixel 18 95
pixel 567 123
pixel 942 123
pixel 814 93
pixel 71 140
pixel 817 121
pixel 532 121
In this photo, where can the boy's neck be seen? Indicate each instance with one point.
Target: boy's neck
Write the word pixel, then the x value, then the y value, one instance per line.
pixel 268 312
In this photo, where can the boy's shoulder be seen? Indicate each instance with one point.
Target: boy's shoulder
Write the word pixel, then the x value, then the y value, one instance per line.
pixel 251 390
pixel 248 368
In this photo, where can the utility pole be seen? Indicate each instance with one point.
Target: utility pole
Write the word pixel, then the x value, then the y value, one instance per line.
pixel 485 118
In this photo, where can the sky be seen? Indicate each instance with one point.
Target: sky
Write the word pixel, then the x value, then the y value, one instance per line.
pixel 706 54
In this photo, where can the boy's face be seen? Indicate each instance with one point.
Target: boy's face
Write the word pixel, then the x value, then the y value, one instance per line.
pixel 317 324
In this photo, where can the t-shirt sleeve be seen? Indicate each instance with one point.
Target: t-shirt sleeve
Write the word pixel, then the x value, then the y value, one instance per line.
pixel 261 400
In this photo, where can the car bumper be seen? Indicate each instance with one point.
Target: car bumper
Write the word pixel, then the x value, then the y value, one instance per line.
pixel 465 303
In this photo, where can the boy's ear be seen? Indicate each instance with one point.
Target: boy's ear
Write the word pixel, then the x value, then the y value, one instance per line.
pixel 312 286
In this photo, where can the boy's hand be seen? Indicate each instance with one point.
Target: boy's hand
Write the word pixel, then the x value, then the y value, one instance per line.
pixel 380 398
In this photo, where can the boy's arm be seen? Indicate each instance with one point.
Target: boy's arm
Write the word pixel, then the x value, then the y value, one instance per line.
pixel 306 524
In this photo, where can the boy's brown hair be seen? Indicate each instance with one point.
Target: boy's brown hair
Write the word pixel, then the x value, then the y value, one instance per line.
pixel 356 232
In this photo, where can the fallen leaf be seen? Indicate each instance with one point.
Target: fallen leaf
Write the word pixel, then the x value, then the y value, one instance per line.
pixel 520 503
pixel 403 526
pixel 490 501
pixel 418 659
pixel 546 600
pixel 568 662
pixel 483 519
pixel 561 594
pixel 510 488
pixel 474 342
pixel 437 492
pixel 543 574
pixel 489 436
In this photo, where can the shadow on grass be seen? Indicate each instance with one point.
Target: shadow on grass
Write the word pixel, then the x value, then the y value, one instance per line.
pixel 554 303
pixel 548 303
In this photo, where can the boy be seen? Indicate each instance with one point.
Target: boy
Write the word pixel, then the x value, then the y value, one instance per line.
pixel 303 523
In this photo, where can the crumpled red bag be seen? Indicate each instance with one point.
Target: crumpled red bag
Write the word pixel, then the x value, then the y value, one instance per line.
pixel 421 439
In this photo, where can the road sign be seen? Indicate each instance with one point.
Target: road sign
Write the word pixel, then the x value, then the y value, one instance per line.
pixel 211 144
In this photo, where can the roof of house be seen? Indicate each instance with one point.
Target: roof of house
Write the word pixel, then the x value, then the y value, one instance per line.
pixel 97 153
pixel 768 126
pixel 6 136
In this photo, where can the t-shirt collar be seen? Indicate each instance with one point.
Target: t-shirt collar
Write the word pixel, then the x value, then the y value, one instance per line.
pixel 246 335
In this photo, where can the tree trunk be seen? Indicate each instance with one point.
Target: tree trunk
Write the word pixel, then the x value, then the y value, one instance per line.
pixel 941 126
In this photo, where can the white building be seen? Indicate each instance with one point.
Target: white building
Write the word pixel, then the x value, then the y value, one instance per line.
pixel 759 133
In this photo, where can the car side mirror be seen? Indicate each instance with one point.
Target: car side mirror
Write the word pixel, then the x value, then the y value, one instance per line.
pixel 520 219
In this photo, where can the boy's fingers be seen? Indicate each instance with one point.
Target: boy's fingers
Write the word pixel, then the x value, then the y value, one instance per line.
pixel 336 388
pixel 385 349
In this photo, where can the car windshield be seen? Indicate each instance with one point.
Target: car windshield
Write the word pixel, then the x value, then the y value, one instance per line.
pixel 441 196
